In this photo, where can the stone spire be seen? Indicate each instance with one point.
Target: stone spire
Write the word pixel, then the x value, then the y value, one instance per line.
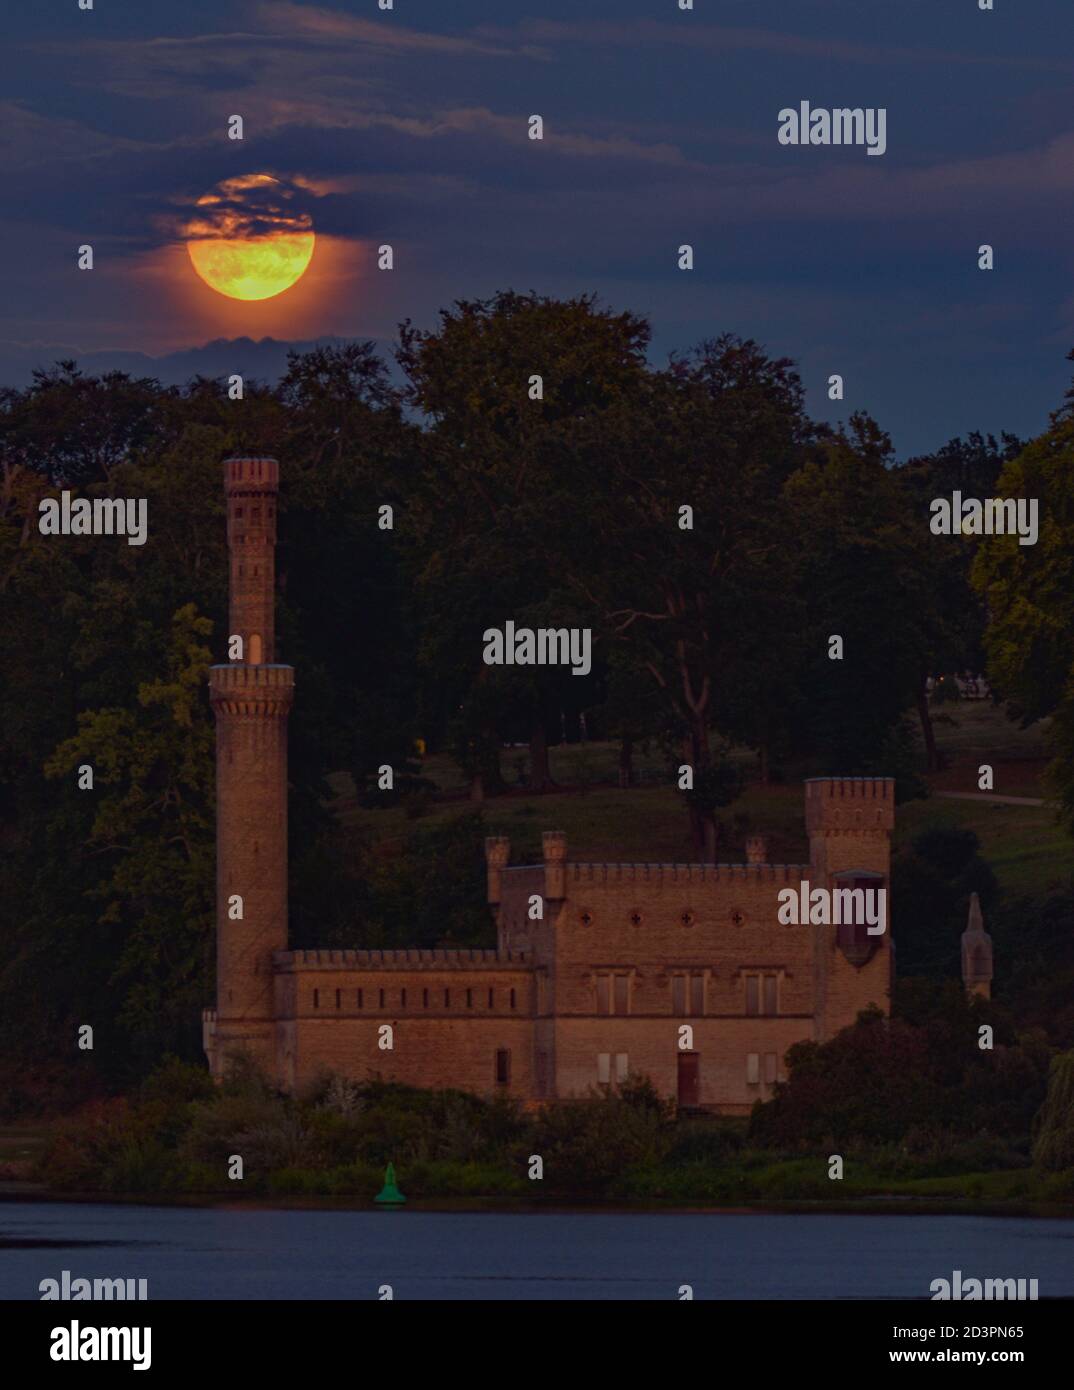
pixel 977 953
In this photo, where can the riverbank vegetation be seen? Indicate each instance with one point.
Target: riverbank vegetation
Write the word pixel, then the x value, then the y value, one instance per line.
pixel 912 1109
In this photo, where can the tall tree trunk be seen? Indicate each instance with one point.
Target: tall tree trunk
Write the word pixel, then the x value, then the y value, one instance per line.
pixel 540 769
pixel 700 833
pixel 626 762
pixel 487 778
pixel 933 760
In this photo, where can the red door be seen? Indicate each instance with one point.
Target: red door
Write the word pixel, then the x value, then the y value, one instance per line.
pixel 689 1079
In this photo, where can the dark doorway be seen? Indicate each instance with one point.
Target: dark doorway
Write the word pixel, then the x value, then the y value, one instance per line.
pixel 689 1079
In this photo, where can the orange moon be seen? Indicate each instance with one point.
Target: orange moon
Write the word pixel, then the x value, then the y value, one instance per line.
pixel 244 242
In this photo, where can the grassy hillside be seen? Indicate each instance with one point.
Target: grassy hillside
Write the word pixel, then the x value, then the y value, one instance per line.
pixel 1028 852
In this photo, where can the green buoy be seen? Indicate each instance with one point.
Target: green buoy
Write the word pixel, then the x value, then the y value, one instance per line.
pixel 389 1195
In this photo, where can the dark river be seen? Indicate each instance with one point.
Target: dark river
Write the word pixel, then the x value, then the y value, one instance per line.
pixel 218 1253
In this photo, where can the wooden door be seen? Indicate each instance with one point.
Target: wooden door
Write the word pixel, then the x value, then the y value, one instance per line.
pixel 689 1079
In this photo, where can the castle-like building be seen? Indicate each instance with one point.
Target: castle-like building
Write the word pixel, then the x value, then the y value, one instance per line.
pixel 681 972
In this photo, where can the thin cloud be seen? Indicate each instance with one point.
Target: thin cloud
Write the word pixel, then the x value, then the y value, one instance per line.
pixel 733 39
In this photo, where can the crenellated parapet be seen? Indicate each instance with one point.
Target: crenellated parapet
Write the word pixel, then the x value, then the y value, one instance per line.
pixel 686 873
pixel 837 805
pixel 434 958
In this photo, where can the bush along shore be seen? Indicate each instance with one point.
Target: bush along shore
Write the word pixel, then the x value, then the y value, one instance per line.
pixel 868 1097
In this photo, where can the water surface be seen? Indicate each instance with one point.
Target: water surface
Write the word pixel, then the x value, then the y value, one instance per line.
pixel 247 1252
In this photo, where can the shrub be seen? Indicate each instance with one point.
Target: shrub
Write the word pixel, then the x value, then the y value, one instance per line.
pixel 1053 1146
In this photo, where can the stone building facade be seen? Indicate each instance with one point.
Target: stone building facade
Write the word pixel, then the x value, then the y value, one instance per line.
pixel 681 972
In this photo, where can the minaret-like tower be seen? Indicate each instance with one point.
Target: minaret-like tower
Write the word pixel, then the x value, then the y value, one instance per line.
pixel 251 698
pixel 976 953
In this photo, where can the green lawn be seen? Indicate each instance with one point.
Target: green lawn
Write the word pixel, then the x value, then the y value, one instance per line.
pixel 1027 850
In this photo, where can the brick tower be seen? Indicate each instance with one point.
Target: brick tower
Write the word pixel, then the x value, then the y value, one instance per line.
pixel 849 821
pixel 251 698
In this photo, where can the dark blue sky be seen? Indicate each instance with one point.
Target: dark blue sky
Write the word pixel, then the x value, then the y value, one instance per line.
pixel 660 128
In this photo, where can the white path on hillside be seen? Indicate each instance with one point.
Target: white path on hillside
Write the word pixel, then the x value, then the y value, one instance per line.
pixel 990 796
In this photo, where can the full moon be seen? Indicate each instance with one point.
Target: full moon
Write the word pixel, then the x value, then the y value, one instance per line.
pixel 246 242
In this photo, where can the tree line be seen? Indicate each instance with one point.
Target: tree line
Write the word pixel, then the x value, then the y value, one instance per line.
pixel 711 535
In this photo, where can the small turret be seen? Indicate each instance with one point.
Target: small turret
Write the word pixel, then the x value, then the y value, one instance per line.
pixel 554 843
pixel 756 849
pixel 497 853
pixel 977 953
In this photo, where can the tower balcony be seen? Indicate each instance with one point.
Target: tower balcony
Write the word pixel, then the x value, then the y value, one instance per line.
pixel 238 689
